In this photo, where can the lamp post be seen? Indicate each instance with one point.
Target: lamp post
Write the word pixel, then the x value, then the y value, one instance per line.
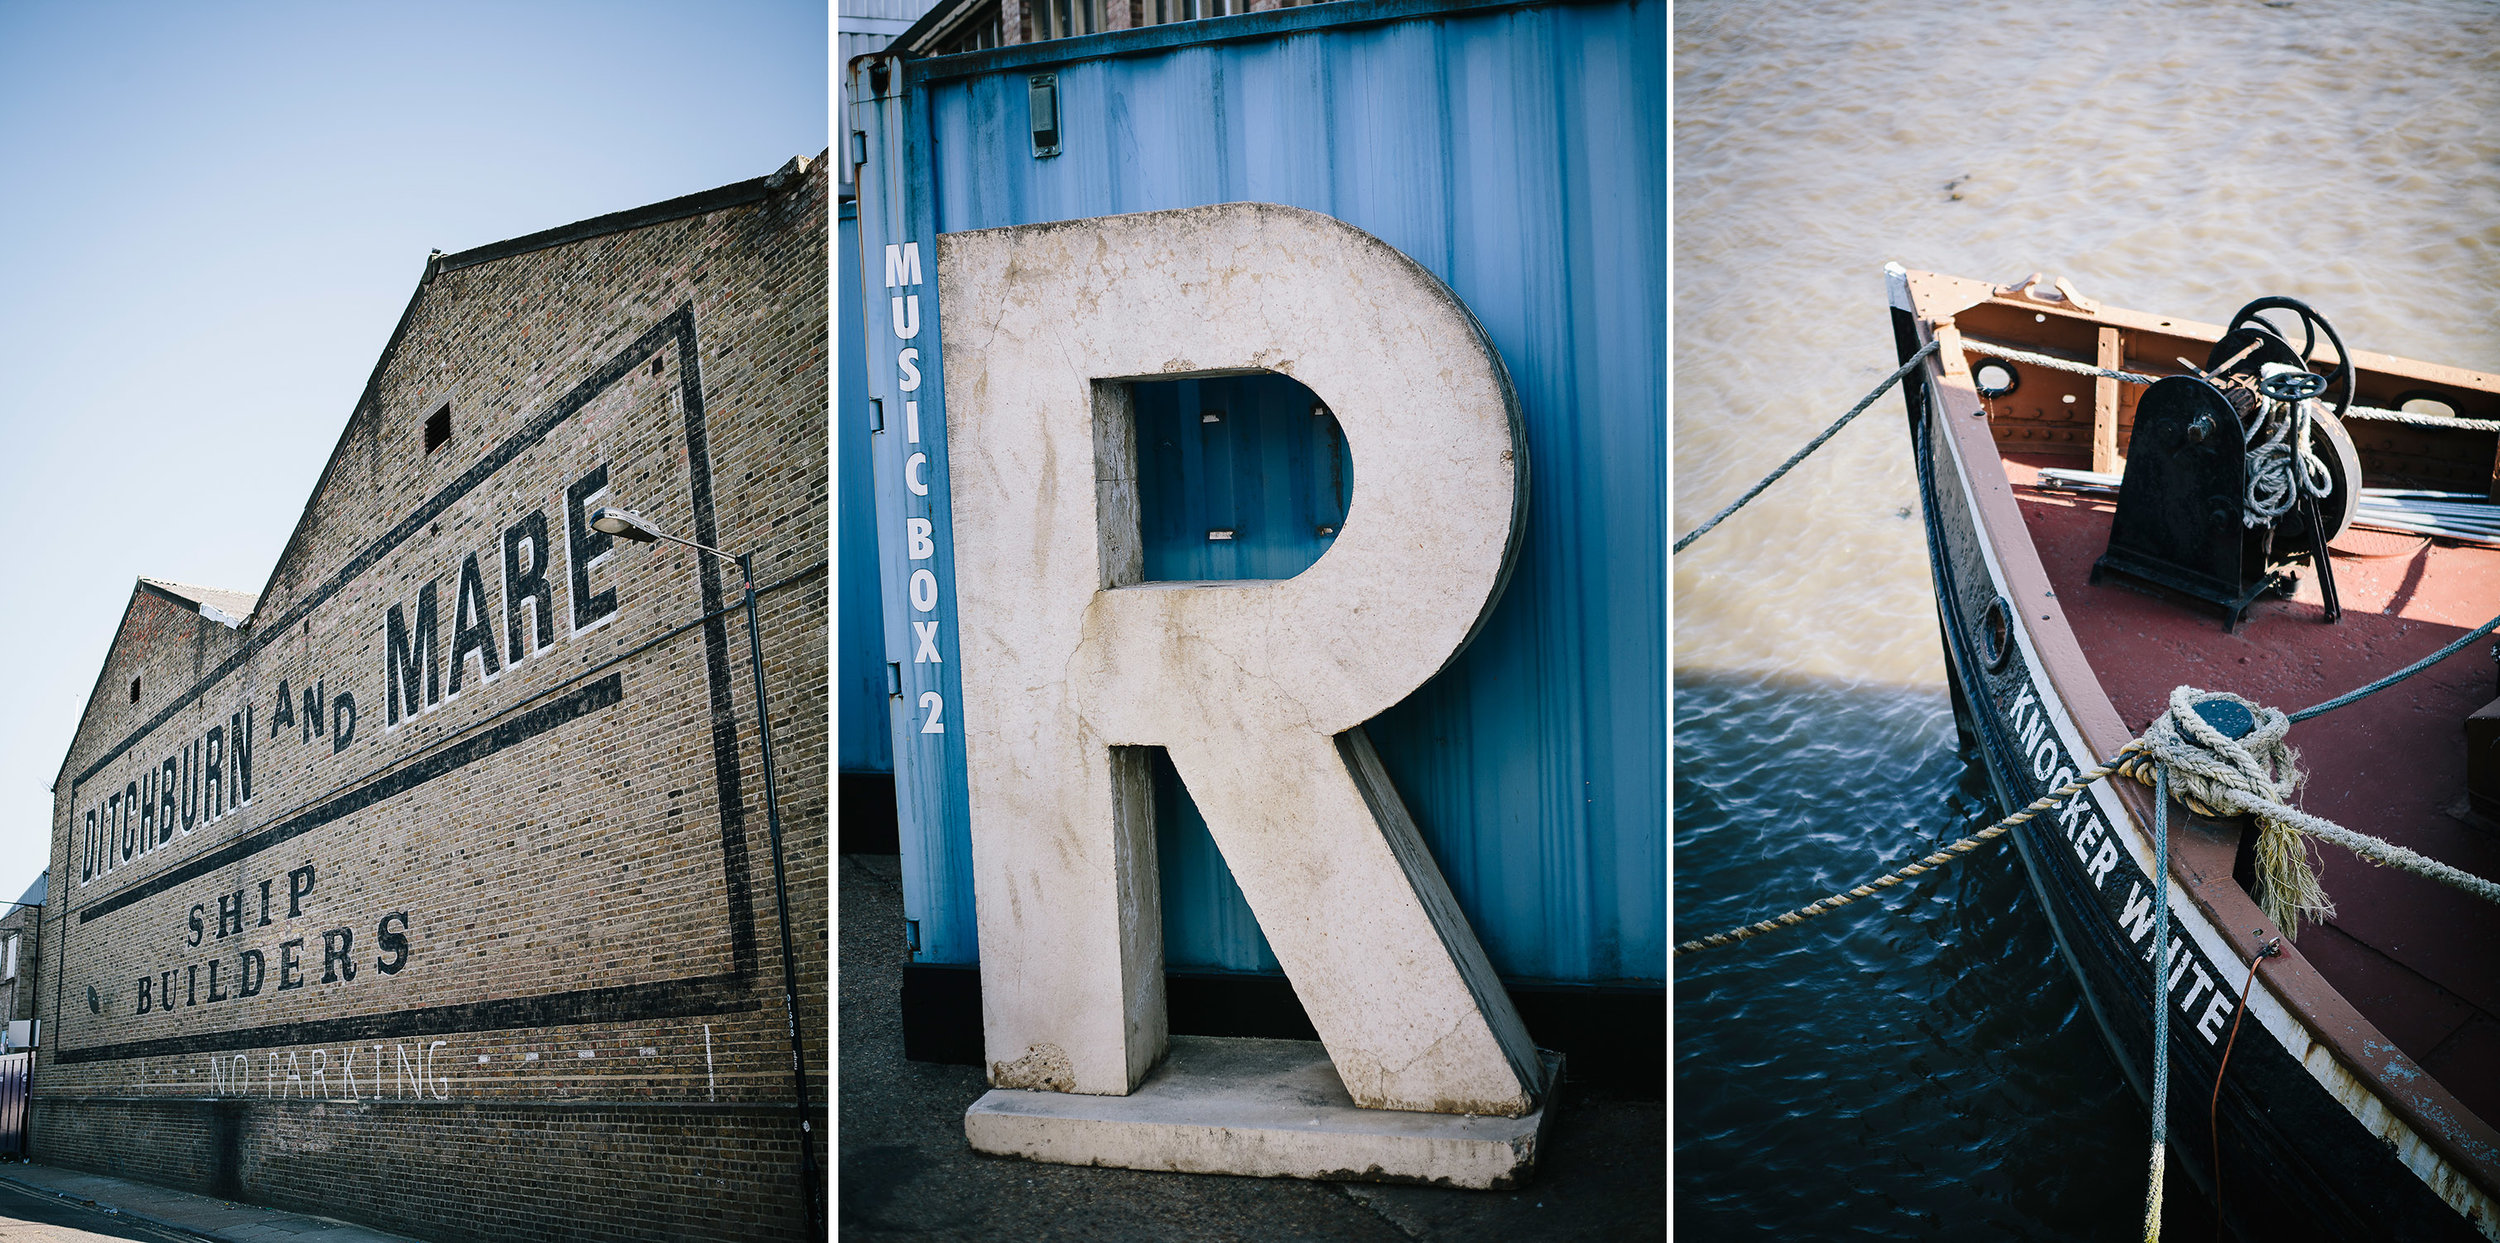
pixel 629 525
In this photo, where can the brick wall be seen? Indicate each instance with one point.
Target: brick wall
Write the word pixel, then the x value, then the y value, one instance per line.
pixel 476 936
pixel 17 991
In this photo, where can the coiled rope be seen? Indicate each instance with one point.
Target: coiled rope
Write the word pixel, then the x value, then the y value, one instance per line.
pixel 2252 776
pixel 2212 772
pixel 1811 446
pixel 2284 466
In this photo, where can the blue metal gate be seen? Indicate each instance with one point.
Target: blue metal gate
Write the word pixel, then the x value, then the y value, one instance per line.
pixel 16 1070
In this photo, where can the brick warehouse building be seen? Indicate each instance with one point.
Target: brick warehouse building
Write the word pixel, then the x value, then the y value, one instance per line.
pixel 20 959
pixel 431 887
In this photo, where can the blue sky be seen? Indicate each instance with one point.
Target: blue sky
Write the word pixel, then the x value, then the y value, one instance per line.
pixel 210 218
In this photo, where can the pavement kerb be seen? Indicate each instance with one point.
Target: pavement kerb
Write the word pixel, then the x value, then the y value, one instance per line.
pixel 158 1222
pixel 254 1232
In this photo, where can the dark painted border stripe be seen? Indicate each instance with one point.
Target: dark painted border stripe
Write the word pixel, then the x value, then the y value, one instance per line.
pixel 626 1003
pixel 566 686
pixel 390 351
pixel 677 328
pixel 606 692
pixel 725 761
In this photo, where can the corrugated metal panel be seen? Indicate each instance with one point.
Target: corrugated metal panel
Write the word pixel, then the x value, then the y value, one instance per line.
pixel 908 465
pixel 1512 151
pixel 1248 457
pixel 852 44
pixel 1237 478
pixel 870 14
pixel 1207 924
pixel 863 28
pixel 861 744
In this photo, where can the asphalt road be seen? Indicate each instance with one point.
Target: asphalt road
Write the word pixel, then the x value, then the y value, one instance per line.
pixel 906 1172
pixel 30 1217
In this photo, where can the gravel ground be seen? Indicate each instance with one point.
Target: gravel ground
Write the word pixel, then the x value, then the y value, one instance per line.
pixel 906 1173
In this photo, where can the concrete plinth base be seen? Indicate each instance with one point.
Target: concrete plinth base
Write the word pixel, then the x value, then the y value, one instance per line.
pixel 1267 1108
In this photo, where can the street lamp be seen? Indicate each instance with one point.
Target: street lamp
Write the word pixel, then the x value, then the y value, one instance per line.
pixel 629 525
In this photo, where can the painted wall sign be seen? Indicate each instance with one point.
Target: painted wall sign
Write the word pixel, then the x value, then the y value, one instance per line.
pixel 1074 666
pixel 903 281
pixel 457 785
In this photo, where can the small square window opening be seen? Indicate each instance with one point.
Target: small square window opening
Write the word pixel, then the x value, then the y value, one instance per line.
pixel 438 429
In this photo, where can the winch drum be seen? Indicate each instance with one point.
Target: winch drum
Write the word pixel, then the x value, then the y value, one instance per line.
pixel 2182 518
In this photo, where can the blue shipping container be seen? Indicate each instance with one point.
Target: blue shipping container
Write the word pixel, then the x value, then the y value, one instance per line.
pixel 861 744
pixel 1516 151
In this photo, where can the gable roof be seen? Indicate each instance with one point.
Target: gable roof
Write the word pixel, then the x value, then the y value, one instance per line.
pixel 230 609
pixel 736 194
pixel 236 610
pixel 226 608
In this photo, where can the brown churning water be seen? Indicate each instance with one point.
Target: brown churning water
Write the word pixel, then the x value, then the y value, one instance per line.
pixel 1927 1069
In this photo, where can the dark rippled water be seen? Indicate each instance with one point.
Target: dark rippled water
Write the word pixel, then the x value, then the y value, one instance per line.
pixel 1920 1065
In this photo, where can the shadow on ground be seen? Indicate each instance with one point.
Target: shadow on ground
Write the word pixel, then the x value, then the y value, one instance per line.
pixel 906 1173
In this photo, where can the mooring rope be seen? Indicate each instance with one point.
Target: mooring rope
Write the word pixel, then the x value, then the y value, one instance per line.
pixel 1994 349
pixel 1811 446
pixel 2458 422
pixel 2252 776
pixel 1826 906
pixel 2161 1003
pixel 2354 696
pixel 2137 759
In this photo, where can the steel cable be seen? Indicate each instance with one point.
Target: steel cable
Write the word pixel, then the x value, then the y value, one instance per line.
pixel 1811 446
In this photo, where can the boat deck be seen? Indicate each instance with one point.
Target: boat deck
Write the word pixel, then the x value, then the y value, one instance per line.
pixel 2413 956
